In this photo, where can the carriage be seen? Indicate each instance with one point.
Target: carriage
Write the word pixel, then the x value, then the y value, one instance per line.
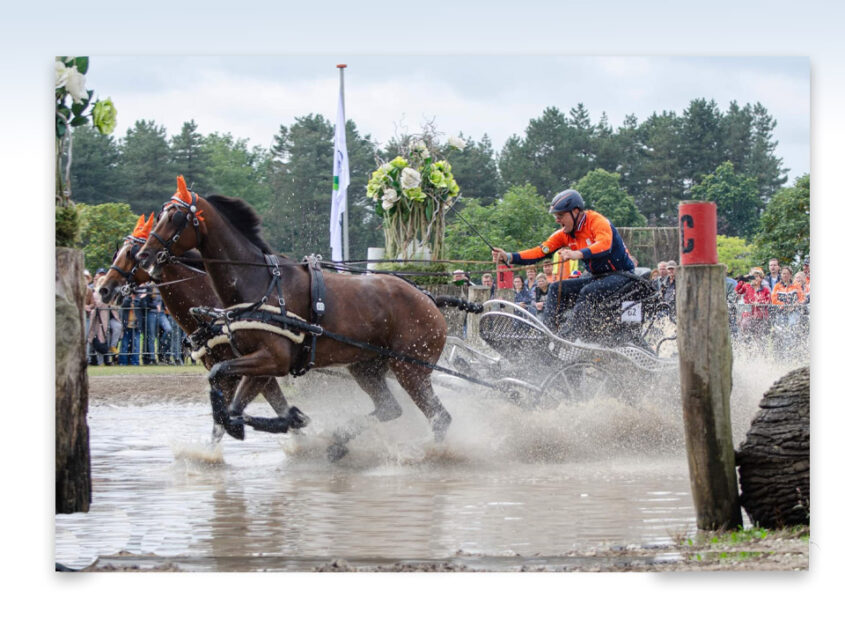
pixel 631 342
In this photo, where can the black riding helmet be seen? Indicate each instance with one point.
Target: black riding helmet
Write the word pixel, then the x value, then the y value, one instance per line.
pixel 567 200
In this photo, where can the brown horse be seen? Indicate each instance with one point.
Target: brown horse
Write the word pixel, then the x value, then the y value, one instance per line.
pixel 182 287
pixel 382 312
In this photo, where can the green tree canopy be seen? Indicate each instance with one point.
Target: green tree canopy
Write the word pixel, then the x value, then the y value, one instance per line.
pixel 735 253
pixel 145 167
pixel 475 169
pixel 603 193
pixel 191 157
pixel 784 230
pixel 518 221
pixel 737 200
pixel 103 227
pixel 95 168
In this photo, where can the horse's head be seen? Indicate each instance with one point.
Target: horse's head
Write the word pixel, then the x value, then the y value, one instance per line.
pixel 179 228
pixel 124 273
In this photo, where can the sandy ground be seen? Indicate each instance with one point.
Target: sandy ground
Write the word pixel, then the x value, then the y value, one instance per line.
pixel 777 550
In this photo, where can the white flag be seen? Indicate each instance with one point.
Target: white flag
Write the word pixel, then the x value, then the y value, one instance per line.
pixel 339 184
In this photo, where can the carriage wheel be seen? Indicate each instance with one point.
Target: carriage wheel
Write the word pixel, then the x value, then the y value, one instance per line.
pixel 580 382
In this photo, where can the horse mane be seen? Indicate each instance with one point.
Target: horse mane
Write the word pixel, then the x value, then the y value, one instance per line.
pixel 242 217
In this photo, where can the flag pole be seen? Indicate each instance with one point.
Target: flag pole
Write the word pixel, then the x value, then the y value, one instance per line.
pixel 345 222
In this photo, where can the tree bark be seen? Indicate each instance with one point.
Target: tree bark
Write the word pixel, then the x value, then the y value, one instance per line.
pixel 774 459
pixel 73 459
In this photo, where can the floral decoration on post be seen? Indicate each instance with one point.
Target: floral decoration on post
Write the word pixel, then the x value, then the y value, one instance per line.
pixel 411 194
pixel 74 106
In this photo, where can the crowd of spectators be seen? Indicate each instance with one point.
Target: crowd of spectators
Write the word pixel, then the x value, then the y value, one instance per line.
pixel 139 331
pixel 774 307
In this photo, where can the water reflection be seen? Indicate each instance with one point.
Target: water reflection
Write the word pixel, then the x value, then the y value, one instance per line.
pixel 544 491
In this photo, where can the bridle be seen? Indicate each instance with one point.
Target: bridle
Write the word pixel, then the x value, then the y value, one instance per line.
pixel 129 276
pixel 183 214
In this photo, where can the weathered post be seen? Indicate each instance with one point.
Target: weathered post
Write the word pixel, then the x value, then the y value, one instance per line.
pixel 73 460
pixel 479 295
pixel 704 349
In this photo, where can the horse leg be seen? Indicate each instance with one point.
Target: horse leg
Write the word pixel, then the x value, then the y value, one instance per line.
pixel 257 364
pixel 222 394
pixel 370 376
pixel 416 381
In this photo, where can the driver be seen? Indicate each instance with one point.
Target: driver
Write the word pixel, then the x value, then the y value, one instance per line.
pixel 584 235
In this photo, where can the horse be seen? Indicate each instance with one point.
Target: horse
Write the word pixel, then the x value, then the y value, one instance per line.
pixel 182 287
pixel 377 322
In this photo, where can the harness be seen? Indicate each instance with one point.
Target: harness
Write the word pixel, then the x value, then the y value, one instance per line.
pixel 221 324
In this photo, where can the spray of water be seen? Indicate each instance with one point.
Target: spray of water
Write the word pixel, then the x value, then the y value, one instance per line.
pixel 488 430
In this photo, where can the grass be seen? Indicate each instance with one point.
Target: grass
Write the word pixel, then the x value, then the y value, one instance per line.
pixel 148 370
pixel 731 545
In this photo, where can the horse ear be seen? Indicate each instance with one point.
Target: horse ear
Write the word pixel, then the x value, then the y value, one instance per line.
pixel 144 230
pixel 138 225
pixel 182 192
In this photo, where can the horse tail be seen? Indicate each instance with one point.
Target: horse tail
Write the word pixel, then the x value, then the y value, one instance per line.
pixel 459 303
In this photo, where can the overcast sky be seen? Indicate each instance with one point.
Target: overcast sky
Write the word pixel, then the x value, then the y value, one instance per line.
pixel 250 96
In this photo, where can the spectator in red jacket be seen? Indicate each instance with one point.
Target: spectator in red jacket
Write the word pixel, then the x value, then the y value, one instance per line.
pixel 754 323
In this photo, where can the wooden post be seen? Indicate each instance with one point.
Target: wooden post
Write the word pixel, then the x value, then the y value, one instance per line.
pixel 704 349
pixel 73 459
pixel 479 295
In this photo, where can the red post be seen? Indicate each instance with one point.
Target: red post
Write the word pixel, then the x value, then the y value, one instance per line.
pixel 504 277
pixel 697 219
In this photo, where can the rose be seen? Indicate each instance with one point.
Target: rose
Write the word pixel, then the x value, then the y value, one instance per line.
pixel 457 142
pixel 399 161
pixel 104 116
pixel 61 74
pixel 389 199
pixel 75 84
pixel 410 178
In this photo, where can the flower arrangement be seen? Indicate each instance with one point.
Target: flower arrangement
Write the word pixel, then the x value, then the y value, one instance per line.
pixel 411 194
pixel 74 105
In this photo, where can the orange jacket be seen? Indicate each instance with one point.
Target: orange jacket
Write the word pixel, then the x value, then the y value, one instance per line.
pixel 596 238
pixel 791 294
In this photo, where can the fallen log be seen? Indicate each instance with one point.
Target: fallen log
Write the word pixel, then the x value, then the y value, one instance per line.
pixel 774 459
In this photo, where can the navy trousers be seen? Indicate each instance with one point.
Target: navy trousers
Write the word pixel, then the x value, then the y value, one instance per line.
pixel 581 294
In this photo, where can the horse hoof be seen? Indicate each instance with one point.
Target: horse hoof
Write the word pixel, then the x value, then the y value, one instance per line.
pixel 235 430
pixel 336 451
pixel 297 419
pixel 440 426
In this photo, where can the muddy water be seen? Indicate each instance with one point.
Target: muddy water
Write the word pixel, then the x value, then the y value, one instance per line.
pixel 508 481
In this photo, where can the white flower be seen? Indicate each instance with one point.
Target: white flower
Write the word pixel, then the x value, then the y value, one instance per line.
pixel 422 149
pixel 61 74
pixel 457 142
pixel 410 178
pixel 389 199
pixel 75 84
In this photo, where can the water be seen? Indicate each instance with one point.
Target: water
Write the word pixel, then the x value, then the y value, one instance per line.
pixel 508 481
